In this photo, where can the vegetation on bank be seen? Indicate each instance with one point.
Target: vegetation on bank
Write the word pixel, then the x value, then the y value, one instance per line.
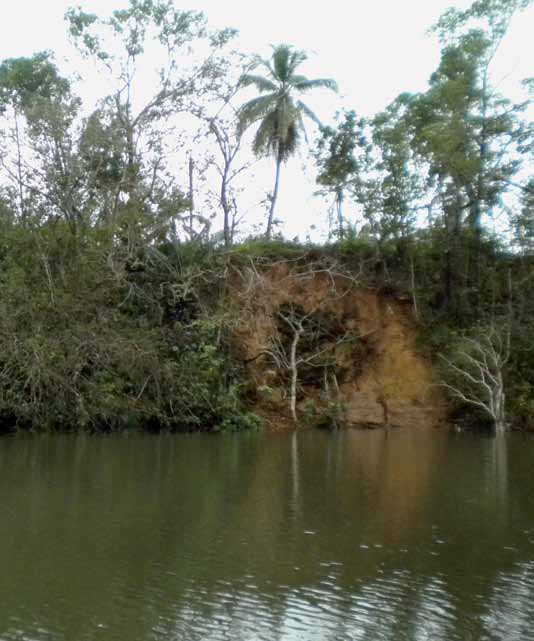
pixel 114 309
pixel 101 342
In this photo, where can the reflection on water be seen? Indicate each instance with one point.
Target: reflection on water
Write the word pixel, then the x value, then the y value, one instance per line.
pixel 358 535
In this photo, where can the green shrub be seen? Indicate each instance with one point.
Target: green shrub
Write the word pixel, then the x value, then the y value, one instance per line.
pixel 247 421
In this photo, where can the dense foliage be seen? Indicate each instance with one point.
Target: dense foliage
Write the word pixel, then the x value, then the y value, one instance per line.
pixel 112 313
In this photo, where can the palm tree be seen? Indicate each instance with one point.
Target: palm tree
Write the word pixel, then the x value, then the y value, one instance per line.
pixel 279 114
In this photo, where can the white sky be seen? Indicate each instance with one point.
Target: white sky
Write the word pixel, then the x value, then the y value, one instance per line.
pixel 375 49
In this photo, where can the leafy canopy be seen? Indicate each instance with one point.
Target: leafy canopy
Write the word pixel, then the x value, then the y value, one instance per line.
pixel 278 111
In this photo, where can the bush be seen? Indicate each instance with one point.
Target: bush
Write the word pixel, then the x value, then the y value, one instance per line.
pixel 247 421
pixel 104 346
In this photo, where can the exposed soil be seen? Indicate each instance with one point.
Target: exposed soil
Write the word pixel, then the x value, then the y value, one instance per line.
pixel 365 357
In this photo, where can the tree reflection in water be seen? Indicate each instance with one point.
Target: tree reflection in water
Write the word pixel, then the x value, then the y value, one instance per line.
pixel 351 535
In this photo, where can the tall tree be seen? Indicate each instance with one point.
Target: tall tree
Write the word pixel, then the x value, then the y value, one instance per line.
pixel 224 165
pixel 277 110
pixel 37 112
pixel 144 128
pixel 398 183
pixel 467 135
pixel 337 158
pixel 472 38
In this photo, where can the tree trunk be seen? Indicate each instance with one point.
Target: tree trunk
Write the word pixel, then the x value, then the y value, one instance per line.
pixel 481 190
pixel 19 171
pixel 191 195
pixel 269 230
pixel 339 206
pixel 453 254
pixel 131 164
pixel 226 208
pixel 414 295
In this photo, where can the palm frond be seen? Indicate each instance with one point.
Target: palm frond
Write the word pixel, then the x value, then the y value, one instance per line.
pixel 255 109
pixel 296 79
pixel 304 109
pixel 271 72
pixel 306 85
pixel 281 62
pixel 261 83
pixel 301 125
pixel 296 58
pixel 265 140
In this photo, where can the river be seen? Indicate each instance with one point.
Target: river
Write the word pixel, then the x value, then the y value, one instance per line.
pixel 357 535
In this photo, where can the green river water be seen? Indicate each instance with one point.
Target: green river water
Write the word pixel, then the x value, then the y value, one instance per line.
pixel 357 535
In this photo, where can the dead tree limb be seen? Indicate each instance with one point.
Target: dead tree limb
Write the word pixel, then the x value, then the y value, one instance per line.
pixel 476 369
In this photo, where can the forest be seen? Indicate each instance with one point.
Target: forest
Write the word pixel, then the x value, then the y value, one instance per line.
pixel 118 308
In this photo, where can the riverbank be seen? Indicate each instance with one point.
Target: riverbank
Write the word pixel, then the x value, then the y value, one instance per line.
pixel 189 337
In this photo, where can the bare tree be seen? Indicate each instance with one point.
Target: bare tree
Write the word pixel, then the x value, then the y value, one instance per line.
pixel 219 122
pixel 305 336
pixel 476 371
pixel 311 343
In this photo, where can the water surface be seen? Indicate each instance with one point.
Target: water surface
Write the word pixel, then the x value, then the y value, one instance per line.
pixel 376 536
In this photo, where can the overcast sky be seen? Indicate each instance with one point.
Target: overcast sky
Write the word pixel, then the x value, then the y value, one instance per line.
pixel 375 49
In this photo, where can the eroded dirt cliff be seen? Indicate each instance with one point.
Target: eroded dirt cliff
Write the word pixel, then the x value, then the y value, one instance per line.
pixel 316 331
